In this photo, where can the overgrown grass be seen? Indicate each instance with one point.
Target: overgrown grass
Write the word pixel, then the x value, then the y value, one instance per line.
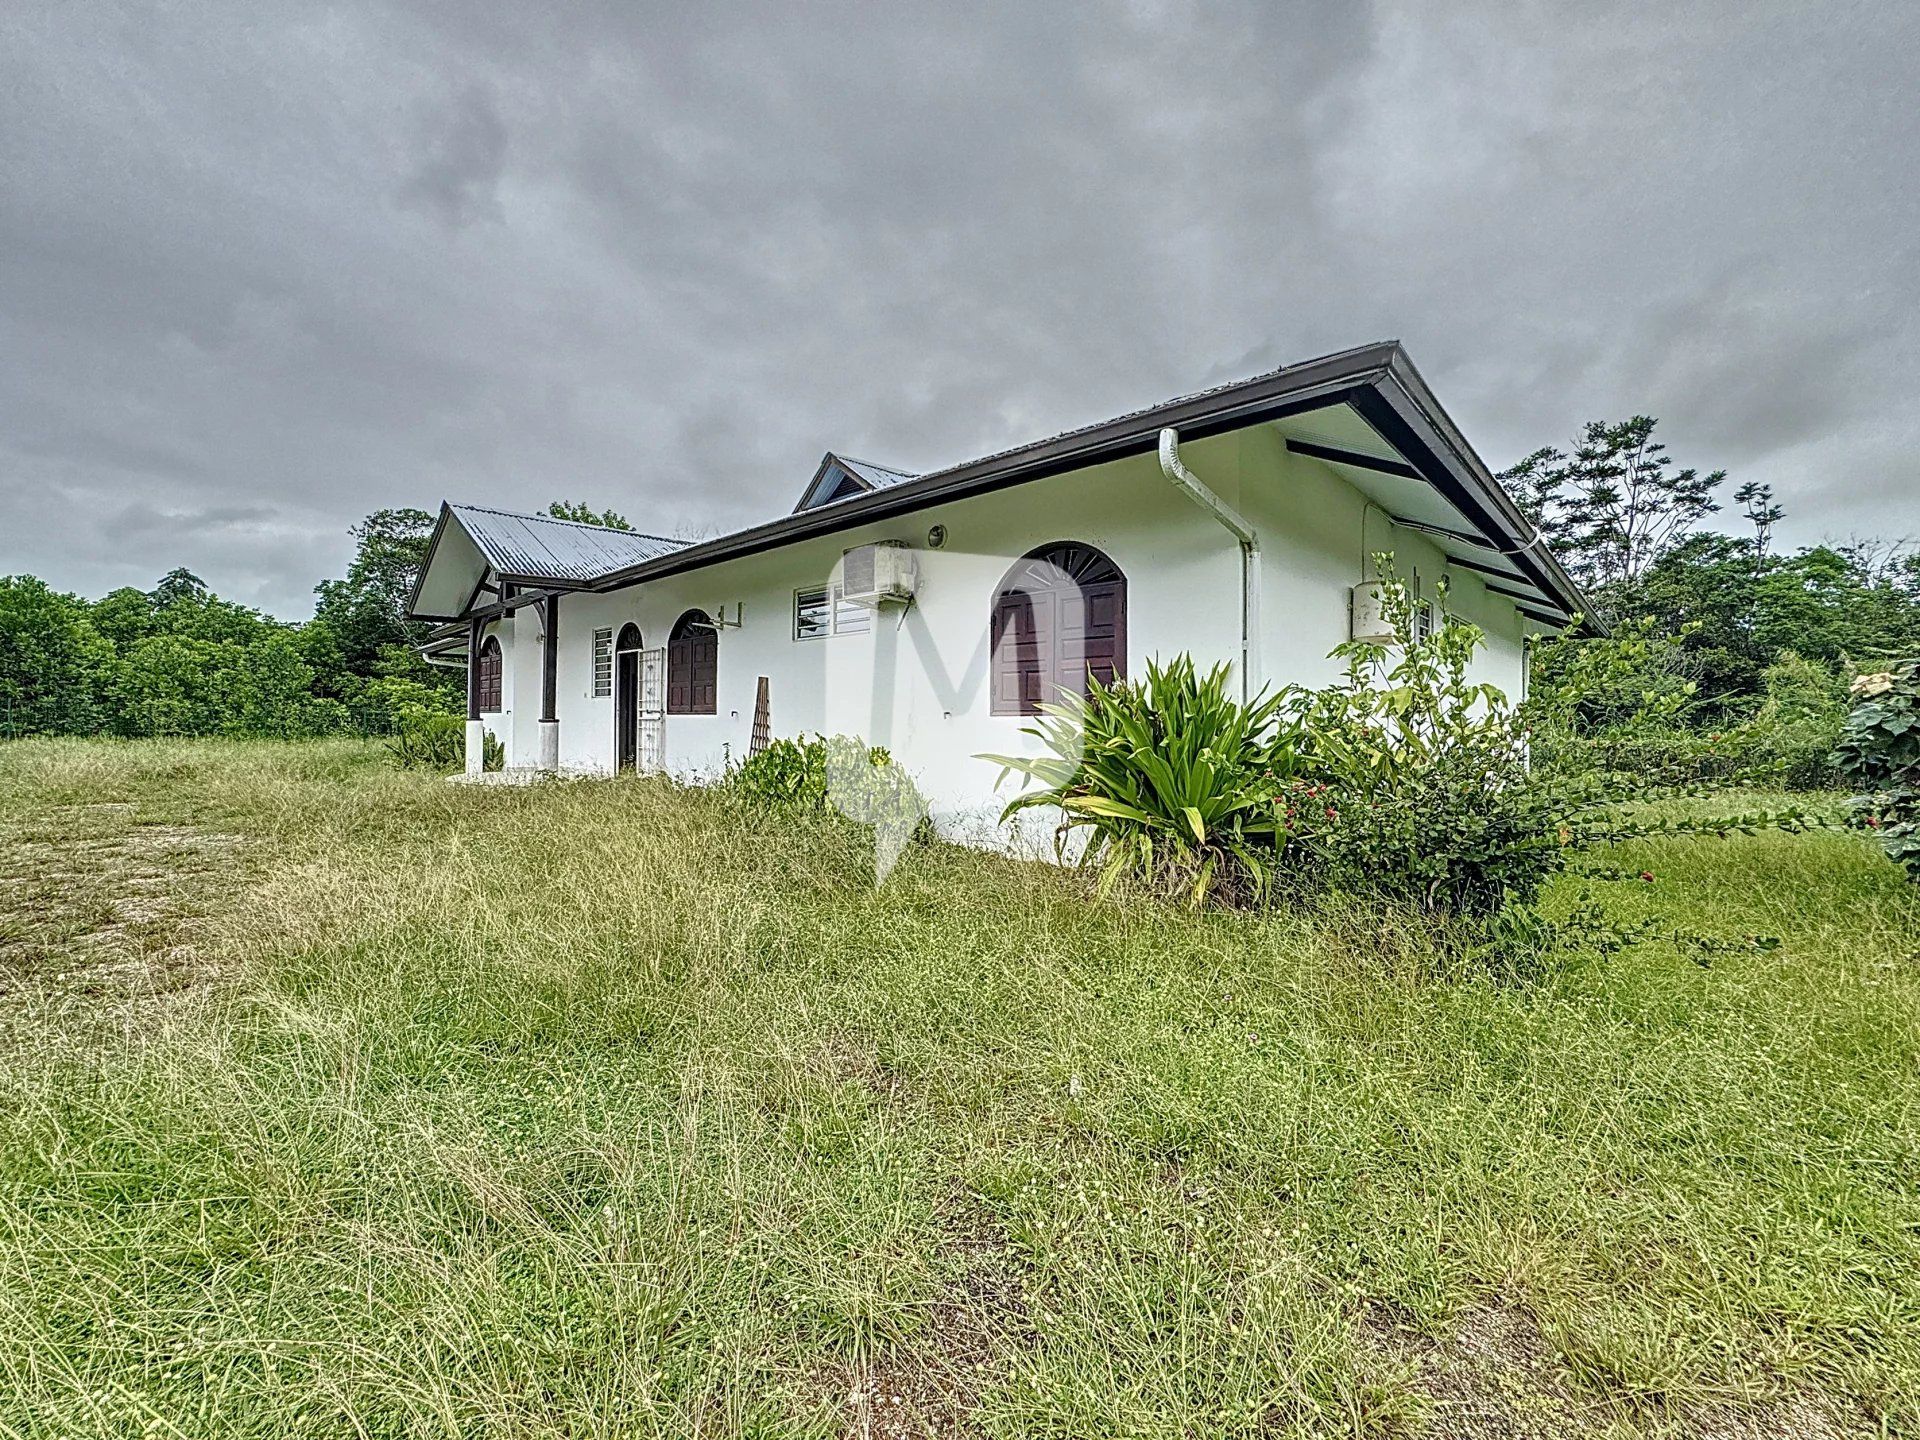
pixel 608 1109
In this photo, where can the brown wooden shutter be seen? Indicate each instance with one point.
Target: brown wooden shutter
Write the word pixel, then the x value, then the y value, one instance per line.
pixel 1059 616
pixel 704 680
pixel 693 665
pixel 489 663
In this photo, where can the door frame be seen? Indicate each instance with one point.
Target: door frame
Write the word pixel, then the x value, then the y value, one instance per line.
pixel 626 700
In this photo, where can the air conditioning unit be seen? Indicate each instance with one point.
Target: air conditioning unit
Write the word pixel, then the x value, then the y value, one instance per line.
pixel 883 573
pixel 1370 622
pixel 1369 615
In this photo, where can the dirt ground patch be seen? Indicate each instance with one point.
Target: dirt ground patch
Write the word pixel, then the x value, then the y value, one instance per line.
pixel 932 1389
pixel 1494 1376
pixel 96 902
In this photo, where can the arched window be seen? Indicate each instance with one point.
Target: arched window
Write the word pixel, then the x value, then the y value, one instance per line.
pixel 1059 615
pixel 488 679
pixel 629 637
pixel 693 665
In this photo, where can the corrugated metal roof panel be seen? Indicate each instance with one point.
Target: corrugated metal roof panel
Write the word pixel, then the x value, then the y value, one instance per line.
pixel 1378 346
pixel 540 547
pixel 840 477
pixel 878 476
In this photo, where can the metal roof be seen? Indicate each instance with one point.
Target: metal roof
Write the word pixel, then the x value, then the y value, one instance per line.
pixel 539 547
pixel 878 476
pixel 1378 381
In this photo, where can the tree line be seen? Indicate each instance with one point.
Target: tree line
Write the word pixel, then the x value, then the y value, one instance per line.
pixel 180 660
pixel 1722 616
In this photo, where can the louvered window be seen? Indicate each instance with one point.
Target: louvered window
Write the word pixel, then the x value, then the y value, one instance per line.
pixel 824 611
pixel 602 663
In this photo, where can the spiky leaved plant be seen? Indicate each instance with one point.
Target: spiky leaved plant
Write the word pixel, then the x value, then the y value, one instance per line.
pixel 1172 779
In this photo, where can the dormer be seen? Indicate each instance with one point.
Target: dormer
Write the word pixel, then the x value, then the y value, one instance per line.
pixel 840 477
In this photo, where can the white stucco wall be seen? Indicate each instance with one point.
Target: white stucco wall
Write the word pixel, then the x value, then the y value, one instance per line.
pixel 917 682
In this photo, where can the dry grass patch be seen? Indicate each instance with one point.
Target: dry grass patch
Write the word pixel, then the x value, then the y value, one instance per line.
pixel 98 901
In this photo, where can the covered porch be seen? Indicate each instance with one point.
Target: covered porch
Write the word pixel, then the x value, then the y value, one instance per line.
pixel 496 581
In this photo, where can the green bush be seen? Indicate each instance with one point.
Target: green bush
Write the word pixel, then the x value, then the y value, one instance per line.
pixel 316 716
pixel 1801 715
pixel 1590 687
pixel 1172 779
pixel 1879 754
pixel 435 740
pixel 1621 705
pixel 1415 784
pixel 839 774
pixel 1405 784
pixel 787 775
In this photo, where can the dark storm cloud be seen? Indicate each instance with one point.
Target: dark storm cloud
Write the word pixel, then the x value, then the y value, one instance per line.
pixel 264 269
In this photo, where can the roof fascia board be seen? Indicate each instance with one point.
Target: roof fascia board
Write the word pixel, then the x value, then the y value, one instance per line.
pixel 546 582
pixel 426 563
pixel 1407 406
pixel 1271 397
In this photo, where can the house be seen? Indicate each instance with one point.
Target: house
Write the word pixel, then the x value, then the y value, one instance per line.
pixel 931 613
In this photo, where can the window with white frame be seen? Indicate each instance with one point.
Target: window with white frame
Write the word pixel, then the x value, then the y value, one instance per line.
pixel 822 611
pixel 603 663
pixel 848 617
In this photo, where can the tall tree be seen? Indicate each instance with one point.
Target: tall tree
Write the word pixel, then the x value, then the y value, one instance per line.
pixel 177 586
pixel 1757 505
pixel 361 620
pixel 1615 505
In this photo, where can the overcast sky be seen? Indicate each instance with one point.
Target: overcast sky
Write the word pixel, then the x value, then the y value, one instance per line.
pixel 266 268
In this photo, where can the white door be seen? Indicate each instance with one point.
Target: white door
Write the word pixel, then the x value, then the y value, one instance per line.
pixel 653 711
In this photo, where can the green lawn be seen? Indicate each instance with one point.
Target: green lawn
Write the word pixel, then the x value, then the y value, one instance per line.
pixel 340 1101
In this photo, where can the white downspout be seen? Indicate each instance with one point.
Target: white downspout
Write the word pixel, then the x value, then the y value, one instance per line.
pixel 1185 480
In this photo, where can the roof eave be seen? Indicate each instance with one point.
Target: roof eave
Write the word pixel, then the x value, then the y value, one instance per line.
pixel 426 560
pixel 1268 397
pixel 1530 553
pixel 1379 380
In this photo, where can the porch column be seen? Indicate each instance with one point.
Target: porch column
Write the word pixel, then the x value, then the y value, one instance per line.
pixel 549 683
pixel 476 732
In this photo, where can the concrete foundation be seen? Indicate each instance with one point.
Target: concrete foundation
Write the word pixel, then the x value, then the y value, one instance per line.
pixel 476 746
pixel 549 744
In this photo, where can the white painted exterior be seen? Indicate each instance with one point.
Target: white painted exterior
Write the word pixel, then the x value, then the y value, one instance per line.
pixel 917 683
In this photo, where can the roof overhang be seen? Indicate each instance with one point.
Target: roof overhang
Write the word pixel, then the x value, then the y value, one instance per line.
pixel 476 553
pixel 1378 382
pixel 452 576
